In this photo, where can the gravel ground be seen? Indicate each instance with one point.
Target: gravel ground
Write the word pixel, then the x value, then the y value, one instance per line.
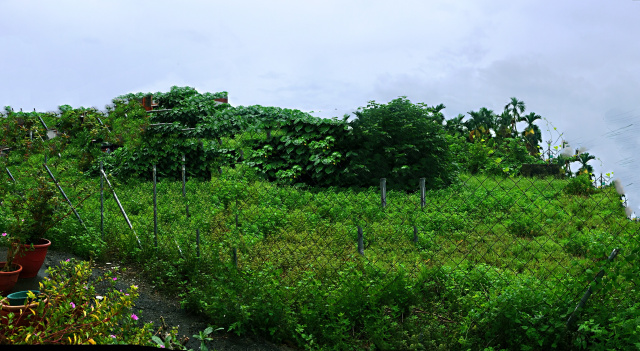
pixel 151 305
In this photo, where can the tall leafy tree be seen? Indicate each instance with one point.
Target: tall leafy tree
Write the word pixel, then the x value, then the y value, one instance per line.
pixel 530 118
pixel 474 125
pixel 532 134
pixel 515 108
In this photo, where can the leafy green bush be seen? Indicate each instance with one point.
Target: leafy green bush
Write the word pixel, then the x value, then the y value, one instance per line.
pixel 580 185
pixel 399 141
pixel 26 136
pixel 302 149
pixel 609 321
pixel 166 136
pixel 497 156
pixel 525 227
pixel 188 109
pixel 520 317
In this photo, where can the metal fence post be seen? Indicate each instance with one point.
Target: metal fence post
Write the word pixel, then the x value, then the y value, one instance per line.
pixel 124 214
pixel 184 183
pixel 101 202
pixel 64 195
pixel 235 250
pixel 9 173
pixel 589 291
pixel 423 203
pixel 41 121
pixel 235 257
pixel 423 192
pixel 155 208
pixel 383 191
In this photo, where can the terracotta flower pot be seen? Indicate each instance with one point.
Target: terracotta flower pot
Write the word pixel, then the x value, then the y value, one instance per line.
pixel 9 279
pixel 20 313
pixel 32 260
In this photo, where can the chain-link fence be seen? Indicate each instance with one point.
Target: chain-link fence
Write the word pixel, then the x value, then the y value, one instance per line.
pixel 493 259
pixel 477 247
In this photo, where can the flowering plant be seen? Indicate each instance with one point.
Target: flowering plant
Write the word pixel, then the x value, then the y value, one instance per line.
pixel 76 313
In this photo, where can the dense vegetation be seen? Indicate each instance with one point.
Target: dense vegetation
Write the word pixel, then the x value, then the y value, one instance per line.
pixel 277 198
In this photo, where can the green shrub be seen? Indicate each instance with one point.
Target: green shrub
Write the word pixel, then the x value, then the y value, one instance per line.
pixel 580 185
pixel 301 149
pixel 164 137
pixel 520 316
pixel 399 141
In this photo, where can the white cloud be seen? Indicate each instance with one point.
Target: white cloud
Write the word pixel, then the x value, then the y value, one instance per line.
pixel 572 62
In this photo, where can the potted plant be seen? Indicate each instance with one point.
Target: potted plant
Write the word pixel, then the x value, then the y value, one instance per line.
pixel 24 312
pixel 32 205
pixel 72 312
pixel 30 201
pixel 30 209
pixel 9 277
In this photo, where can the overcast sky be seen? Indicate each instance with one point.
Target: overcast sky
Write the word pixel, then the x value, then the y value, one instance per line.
pixel 574 62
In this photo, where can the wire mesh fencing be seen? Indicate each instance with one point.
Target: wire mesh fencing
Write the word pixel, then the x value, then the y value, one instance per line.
pixel 488 240
pixel 543 237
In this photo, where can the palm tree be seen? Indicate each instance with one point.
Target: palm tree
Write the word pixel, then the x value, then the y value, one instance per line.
pixel 474 125
pixel 436 113
pixel 481 123
pixel 515 107
pixel 489 118
pixel 532 134
pixel 583 158
pixel 455 125
pixel 530 118
pixel 503 124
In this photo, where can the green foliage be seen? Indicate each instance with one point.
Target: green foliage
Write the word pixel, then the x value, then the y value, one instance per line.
pixel 498 156
pixel 181 95
pixel 176 96
pixel 585 168
pixel 166 136
pixel 580 185
pixel 496 262
pixel 188 107
pixel 479 153
pixel 607 321
pixel 401 142
pixel 524 226
pixel 519 317
pixel 74 313
pixel 304 149
pixel 24 134
pixel 299 277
